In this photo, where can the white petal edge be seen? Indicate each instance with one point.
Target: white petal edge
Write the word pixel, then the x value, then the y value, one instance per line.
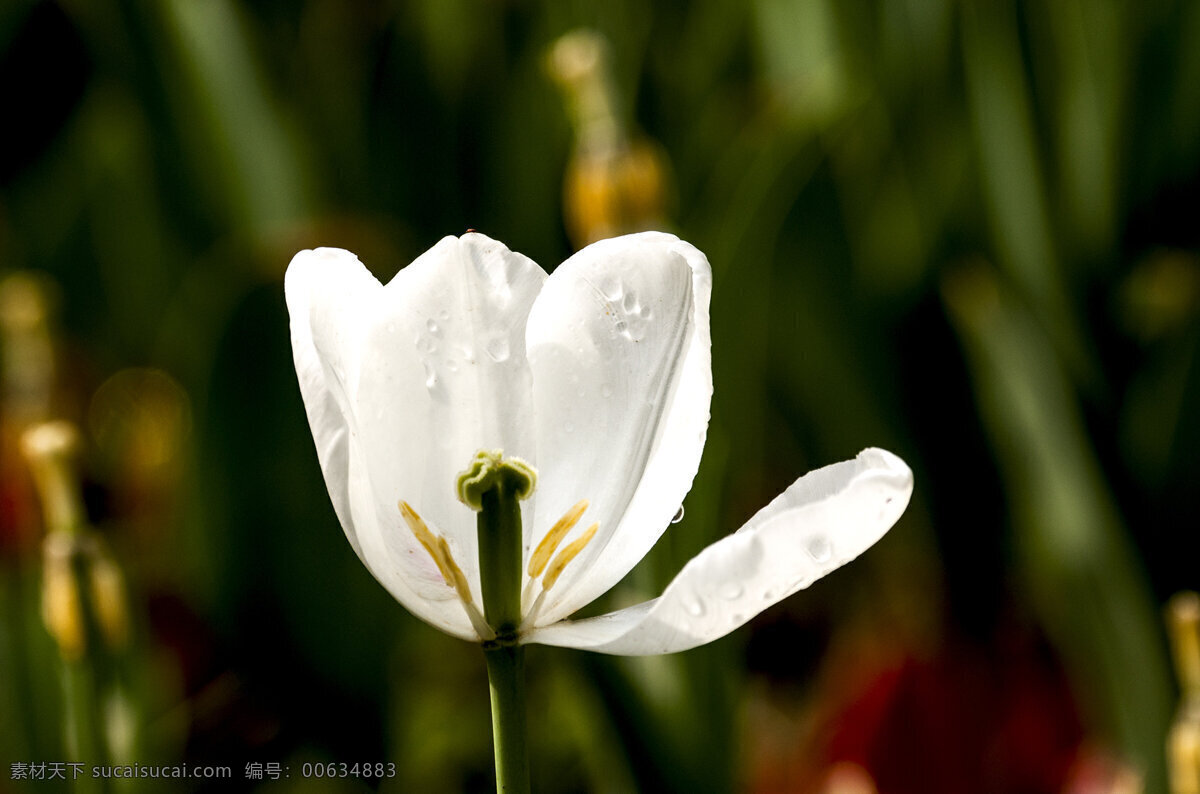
pixel 822 521
pixel 619 346
pixel 313 273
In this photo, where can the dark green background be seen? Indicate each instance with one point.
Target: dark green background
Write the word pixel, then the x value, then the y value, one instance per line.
pixel 964 231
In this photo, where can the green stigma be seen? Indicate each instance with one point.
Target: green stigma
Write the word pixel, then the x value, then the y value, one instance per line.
pixel 488 471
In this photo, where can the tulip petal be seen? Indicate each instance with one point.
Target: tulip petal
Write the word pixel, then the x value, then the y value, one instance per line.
pixel 432 367
pixel 330 296
pixel 825 519
pixel 446 375
pixel 622 380
pixel 325 272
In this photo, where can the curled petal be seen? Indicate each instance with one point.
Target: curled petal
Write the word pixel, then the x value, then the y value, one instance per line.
pixel 825 519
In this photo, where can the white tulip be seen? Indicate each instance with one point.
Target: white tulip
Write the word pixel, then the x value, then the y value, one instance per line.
pixel 598 378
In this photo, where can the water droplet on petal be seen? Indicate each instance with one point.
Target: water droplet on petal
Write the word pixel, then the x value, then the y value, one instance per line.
pixel 678 513
pixel 612 289
pixel 767 595
pixel 694 606
pixel 630 303
pixel 452 365
pixel 433 328
pixel 737 618
pixel 621 327
pixel 731 591
pixel 819 548
pixel 425 344
pixel 497 349
pixel 443 315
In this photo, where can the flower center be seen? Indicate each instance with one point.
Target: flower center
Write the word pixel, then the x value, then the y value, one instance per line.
pixel 492 486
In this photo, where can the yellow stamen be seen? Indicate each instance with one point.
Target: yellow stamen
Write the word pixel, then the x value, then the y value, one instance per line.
pixel 459 579
pixel 569 552
pixel 439 550
pixel 431 543
pixel 545 549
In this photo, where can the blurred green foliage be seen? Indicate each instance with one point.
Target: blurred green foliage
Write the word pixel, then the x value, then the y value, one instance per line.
pixel 965 231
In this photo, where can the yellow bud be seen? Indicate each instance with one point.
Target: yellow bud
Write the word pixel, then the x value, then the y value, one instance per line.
pixel 616 180
pixel 614 191
pixel 62 608
pixel 69 559
pixel 50 448
pixel 26 346
pixel 1183 624
pixel 1183 741
pixel 108 602
pixel 1183 756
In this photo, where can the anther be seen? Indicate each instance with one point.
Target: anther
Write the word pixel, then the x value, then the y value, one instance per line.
pixel 427 539
pixel 458 579
pixel 569 552
pixel 541 555
pixel 439 550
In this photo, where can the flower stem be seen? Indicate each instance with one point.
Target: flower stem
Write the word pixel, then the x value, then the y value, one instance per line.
pixel 493 486
pixel 499 531
pixel 506 675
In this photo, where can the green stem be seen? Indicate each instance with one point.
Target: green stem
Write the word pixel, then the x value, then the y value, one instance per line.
pixel 506 675
pixel 499 530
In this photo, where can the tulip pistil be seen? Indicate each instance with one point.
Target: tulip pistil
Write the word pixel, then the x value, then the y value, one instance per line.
pixel 493 486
